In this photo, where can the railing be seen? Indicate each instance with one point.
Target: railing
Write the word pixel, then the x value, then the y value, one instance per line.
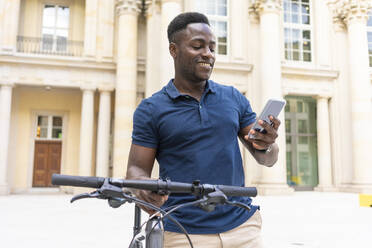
pixel 50 46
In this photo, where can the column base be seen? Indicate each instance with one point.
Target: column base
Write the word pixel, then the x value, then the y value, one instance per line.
pixel 326 189
pixel 4 189
pixel 357 188
pixel 274 189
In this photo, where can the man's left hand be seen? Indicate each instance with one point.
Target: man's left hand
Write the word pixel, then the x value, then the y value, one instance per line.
pixel 262 141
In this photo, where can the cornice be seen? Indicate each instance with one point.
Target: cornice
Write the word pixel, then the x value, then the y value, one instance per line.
pixel 59 61
pixel 234 67
pixel 348 11
pixel 133 7
pixel 326 74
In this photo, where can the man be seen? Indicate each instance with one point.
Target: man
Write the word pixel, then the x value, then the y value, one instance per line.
pixel 191 127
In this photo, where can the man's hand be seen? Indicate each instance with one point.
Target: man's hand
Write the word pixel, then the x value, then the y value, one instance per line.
pixel 263 141
pixel 140 163
pixel 150 197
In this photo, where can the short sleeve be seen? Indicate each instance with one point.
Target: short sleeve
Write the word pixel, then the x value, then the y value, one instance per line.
pixel 144 129
pixel 246 114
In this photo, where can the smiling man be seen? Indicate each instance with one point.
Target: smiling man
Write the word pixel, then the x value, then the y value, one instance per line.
pixel 191 127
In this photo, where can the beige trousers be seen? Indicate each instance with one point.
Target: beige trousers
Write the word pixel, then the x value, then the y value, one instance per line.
pixel 247 235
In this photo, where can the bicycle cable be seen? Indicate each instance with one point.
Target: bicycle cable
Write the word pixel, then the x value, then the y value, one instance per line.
pixel 149 205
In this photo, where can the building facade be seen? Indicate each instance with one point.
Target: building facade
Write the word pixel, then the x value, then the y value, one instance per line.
pixel 73 71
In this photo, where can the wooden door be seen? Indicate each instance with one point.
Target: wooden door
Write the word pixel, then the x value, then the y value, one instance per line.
pixel 47 160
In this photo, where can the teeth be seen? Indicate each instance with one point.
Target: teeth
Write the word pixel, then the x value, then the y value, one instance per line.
pixel 205 64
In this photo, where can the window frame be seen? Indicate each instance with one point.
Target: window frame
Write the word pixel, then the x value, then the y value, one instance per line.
pixel 220 18
pixel 369 42
pixel 54 27
pixel 49 127
pixel 301 27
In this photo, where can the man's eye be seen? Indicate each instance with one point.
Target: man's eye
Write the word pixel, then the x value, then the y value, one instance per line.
pixel 212 50
pixel 196 47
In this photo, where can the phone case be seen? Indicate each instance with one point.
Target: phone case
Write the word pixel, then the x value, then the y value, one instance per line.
pixel 273 107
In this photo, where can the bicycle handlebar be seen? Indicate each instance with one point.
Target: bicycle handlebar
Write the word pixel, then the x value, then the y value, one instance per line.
pixel 153 185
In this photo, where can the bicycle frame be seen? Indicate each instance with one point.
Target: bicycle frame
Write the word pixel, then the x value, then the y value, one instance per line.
pixel 153 231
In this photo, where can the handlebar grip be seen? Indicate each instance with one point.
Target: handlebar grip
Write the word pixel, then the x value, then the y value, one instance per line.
pixel 78 181
pixel 238 191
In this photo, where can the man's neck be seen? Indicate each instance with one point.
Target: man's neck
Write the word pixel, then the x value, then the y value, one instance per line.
pixel 194 89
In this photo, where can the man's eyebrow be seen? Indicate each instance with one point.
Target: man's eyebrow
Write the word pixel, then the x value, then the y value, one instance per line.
pixel 203 40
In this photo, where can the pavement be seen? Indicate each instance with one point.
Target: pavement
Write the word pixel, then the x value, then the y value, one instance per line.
pixel 302 220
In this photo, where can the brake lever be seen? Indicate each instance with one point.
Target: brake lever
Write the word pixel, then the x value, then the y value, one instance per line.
pixel 239 204
pixel 212 199
pixel 94 194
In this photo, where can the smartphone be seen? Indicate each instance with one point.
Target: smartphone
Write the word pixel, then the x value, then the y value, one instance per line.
pixel 273 107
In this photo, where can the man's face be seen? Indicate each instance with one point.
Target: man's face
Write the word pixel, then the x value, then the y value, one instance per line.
pixel 194 55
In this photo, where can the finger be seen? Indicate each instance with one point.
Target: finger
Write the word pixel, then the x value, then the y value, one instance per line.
pixel 251 136
pixel 260 145
pixel 275 122
pixel 265 125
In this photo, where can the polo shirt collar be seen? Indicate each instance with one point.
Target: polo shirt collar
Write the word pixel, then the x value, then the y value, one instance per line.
pixel 173 92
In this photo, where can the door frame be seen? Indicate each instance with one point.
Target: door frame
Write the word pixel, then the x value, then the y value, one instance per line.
pixel 293 116
pixel 34 114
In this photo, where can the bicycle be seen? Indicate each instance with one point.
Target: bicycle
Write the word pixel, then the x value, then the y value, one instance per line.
pixel 111 189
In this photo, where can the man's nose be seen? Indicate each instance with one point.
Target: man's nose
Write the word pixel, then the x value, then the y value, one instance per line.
pixel 207 53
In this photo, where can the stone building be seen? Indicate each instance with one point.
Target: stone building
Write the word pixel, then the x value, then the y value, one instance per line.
pixel 73 71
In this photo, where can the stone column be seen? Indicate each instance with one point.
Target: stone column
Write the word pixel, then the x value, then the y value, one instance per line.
pixel 322 35
pixel 324 146
pixel 103 133
pixel 86 131
pixel 169 10
pixel 5 108
pixel 354 13
pixel 154 40
pixel 105 29
pixel 273 180
pixel 90 37
pixel 9 25
pixel 126 81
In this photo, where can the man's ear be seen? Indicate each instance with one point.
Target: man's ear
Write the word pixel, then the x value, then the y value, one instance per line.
pixel 173 49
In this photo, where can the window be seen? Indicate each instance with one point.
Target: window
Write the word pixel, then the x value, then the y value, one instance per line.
pixel 49 127
pixel 297 30
pixel 216 10
pixel 55 28
pixel 369 34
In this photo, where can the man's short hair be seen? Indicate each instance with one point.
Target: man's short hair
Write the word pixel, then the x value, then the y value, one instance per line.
pixel 181 21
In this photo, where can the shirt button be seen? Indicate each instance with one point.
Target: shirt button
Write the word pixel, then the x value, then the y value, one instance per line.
pixel 200 106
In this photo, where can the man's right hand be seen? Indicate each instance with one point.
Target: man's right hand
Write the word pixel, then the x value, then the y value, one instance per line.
pixel 140 163
pixel 151 197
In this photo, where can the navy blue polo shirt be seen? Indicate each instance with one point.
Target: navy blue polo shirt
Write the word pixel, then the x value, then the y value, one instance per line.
pixel 197 141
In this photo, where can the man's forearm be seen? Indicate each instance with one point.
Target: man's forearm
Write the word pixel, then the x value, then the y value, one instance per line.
pixel 135 172
pixel 267 158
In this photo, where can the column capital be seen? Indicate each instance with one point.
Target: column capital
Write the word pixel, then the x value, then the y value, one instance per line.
pixel 128 7
pixel 106 88
pixel 322 97
pixel 152 7
pixel 7 84
pixel 265 6
pixel 84 86
pixel 349 11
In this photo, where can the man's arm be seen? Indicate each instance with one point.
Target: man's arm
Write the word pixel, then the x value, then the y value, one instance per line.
pixel 140 164
pixel 263 147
